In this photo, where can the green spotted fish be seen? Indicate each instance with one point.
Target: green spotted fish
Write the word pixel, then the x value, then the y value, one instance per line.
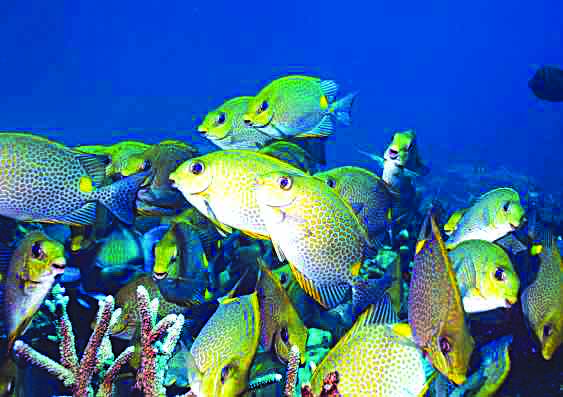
pixel 435 309
pixel 221 186
pixel 290 153
pixel 225 127
pixel 318 233
pixel 219 360
pixel 494 215
pixel 299 106
pixel 44 181
pixel 366 193
pixel 32 269
pixel 376 358
pixel 121 155
pixel 485 275
pixel 542 301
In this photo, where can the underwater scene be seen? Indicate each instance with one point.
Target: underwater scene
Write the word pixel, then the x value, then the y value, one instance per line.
pixel 296 199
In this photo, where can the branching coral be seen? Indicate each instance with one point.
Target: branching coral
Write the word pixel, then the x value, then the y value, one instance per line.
pixel 98 357
pixel 292 371
pixel 157 344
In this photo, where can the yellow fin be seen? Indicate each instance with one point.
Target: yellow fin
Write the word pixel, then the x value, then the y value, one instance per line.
pixel 419 246
pixel 86 185
pixel 256 236
pixel 428 383
pixel 402 329
pixel 323 102
pixel 536 249
pixel 307 285
pixel 355 268
pixel 207 295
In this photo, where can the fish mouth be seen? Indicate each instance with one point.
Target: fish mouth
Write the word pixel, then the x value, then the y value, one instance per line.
pixel 508 302
pixel 393 154
pixel 267 124
pixel 60 265
pixel 159 276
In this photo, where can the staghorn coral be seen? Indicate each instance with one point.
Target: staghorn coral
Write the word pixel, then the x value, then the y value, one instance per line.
pixel 157 344
pixel 292 370
pixel 329 389
pixel 97 359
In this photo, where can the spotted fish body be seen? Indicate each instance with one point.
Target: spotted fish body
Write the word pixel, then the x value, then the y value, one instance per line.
pixel 318 233
pixel 281 327
pixel 44 181
pixel 485 275
pixel 31 274
pixel 298 106
pixel 225 127
pixel 224 189
pixel 373 360
pixel 220 358
pixel 290 153
pixel 435 309
pixel 542 301
pixel 365 192
pixel 494 215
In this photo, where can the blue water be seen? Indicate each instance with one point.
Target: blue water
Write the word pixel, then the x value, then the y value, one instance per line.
pixel 96 72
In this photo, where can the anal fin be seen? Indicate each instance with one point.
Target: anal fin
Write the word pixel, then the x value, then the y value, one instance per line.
pixel 85 215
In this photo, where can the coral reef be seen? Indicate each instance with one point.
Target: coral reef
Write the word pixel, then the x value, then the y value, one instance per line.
pixel 329 388
pixel 97 358
pixel 292 371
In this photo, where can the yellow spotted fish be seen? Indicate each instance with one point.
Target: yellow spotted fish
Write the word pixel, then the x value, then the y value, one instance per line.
pixel 494 215
pixel 31 274
pixel 485 276
pixel 219 360
pixel 221 186
pixel 299 106
pixel 318 233
pixel 435 309
pixel 225 127
pixel 376 358
pixel 542 301
pixel 281 327
pixel 44 181
pixel 121 154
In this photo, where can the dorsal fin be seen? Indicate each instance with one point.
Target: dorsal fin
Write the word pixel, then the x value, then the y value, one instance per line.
pixel 95 167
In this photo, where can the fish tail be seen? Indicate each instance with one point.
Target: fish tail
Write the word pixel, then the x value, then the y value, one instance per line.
pixel 342 108
pixel 366 292
pixel 120 196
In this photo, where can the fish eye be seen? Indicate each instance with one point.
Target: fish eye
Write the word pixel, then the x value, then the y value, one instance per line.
pixel 196 167
pixel 36 250
pixel 445 346
pixel 331 183
pixel 547 330
pixel 500 275
pixel 225 373
pixel 506 206
pixel 285 182
pixel 222 117
pixel 263 107
pixel 146 165
pixel 284 335
pixel 173 259
pixel 283 278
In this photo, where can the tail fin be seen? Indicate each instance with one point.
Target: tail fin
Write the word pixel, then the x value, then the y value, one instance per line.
pixel 120 196
pixel 342 108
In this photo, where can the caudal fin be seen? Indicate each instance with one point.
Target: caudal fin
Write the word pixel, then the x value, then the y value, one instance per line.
pixel 120 196
pixel 342 108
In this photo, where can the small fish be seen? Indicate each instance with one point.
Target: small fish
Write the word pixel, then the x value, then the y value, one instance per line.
pixel 162 159
pixel 291 153
pixel 298 106
pixel 280 325
pixel 121 247
pixel 44 181
pixel 547 83
pixel 225 127
pixel 542 301
pixel 492 372
pixel 318 233
pixel 221 186
pixel 486 278
pixel 366 193
pixel 493 215
pixel 453 221
pixel 435 309
pixel 122 154
pixel 126 299
pixel 32 269
pixel 219 361
pixel 376 358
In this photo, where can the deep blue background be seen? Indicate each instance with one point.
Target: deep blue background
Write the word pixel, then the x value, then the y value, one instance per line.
pixel 95 72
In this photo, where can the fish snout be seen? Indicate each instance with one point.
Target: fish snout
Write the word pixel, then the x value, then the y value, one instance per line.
pixel 247 121
pixel 159 276
pixel 393 154
pixel 202 130
pixel 59 265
